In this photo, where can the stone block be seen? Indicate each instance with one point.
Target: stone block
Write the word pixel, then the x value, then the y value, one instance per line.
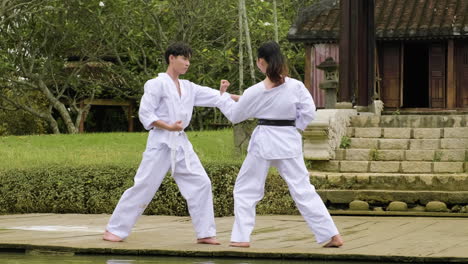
pixel 335 180
pixel 457 198
pixel 422 144
pixel 354 166
pixel 340 154
pixel 364 143
pixel 393 143
pixel 358 205
pixel 427 133
pixel 332 165
pixel 416 167
pixel 436 206
pixel 362 179
pixel 357 154
pixel 454 143
pixel 364 132
pixel 451 155
pixel 394 121
pixel 390 154
pixel 448 167
pixel 384 166
pixel 337 196
pixel 397 132
pixel 365 121
pixel 397 206
pixel 456 132
pixel 419 155
pixel 350 132
pixel 317 150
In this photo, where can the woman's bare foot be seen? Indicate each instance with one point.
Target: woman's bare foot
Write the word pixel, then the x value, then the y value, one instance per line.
pixel 111 237
pixel 335 242
pixel 239 244
pixel 208 240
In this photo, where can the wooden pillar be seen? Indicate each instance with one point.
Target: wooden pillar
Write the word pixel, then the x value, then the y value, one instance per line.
pixel 451 87
pixel 354 66
pixel 83 117
pixel 308 68
pixel 362 55
pixel 130 117
pixel 357 47
pixel 366 47
pixel 370 9
pixel 345 82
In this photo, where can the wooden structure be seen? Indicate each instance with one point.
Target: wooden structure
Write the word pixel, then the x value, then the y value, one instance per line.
pixel 98 69
pixel 421 51
pixel 127 105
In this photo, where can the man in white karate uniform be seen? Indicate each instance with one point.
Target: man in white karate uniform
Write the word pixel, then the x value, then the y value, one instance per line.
pixel 165 110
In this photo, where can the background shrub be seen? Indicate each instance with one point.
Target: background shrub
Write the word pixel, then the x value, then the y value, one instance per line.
pixel 97 188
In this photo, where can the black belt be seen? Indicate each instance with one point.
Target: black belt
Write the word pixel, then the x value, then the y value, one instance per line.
pixel 268 122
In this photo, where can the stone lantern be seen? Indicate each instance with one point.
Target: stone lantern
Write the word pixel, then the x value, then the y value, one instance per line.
pixel 330 84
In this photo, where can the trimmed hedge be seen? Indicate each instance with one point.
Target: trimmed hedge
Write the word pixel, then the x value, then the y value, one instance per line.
pixel 96 189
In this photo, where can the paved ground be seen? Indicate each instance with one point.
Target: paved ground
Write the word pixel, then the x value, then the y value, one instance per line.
pixel 425 239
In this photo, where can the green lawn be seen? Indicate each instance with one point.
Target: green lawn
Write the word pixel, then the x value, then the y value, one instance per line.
pixel 103 148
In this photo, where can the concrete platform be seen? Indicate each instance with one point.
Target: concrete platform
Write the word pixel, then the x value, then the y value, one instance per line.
pixel 371 238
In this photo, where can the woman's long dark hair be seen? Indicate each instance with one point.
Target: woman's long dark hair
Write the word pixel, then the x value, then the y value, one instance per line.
pixel 277 69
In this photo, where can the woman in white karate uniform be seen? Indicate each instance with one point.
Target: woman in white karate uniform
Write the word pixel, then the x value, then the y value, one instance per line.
pixel 165 110
pixel 282 106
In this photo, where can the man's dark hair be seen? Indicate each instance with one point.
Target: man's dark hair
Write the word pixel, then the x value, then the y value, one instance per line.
pixel 177 49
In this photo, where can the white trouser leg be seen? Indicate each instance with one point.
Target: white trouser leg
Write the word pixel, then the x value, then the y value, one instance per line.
pixel 132 204
pixel 195 187
pixel 309 203
pixel 248 191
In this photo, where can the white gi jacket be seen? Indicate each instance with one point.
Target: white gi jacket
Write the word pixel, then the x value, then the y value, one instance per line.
pixel 161 101
pixel 289 101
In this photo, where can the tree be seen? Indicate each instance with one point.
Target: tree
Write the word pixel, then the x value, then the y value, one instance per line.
pixel 37 45
pixel 56 54
pixel 275 21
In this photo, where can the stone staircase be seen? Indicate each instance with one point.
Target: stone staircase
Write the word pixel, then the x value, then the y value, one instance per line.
pixel 413 159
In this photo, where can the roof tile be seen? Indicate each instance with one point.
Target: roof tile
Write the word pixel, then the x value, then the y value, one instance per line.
pixel 394 19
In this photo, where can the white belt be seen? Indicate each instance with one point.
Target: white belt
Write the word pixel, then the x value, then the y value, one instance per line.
pixel 178 139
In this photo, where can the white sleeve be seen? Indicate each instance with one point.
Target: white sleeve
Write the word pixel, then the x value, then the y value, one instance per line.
pixel 149 104
pixel 238 111
pixel 205 96
pixel 305 108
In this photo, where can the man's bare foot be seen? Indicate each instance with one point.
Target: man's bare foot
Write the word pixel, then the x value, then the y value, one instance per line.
pixel 208 240
pixel 335 242
pixel 239 244
pixel 111 237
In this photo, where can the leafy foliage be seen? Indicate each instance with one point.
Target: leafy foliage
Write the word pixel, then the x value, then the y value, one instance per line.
pixel 63 52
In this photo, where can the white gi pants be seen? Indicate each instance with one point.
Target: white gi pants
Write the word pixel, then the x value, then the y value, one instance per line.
pixel 194 185
pixel 249 190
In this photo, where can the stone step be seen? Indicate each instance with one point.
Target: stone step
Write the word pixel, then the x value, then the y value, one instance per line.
pixel 390 166
pixel 389 181
pixel 384 197
pixel 414 121
pixel 408 144
pixel 402 155
pixel 407 133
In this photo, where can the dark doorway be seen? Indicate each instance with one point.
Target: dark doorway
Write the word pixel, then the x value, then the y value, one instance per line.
pixel 416 75
pixel 106 119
